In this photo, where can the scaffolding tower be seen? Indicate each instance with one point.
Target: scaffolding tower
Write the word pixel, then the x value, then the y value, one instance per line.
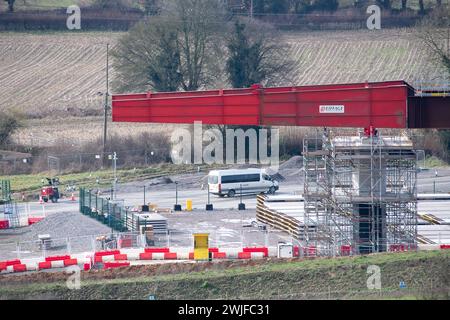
pixel 360 193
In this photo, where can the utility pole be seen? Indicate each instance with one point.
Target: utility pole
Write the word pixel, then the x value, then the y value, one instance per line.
pixel 115 175
pixel 106 107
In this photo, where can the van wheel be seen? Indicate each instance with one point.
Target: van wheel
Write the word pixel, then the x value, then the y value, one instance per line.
pixel 272 190
pixel 231 194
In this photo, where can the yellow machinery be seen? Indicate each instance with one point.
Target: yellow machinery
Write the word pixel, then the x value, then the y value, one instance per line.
pixel 201 246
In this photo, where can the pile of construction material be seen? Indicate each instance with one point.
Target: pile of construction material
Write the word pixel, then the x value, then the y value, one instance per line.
pixel 140 221
pixel 282 212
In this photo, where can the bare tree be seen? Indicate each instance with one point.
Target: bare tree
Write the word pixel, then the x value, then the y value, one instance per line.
pixel 176 50
pixel 256 55
pixel 10 5
pixel 200 26
pixel 404 4
pixel 434 33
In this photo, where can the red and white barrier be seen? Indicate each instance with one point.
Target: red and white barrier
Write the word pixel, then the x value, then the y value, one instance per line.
pixel 55 262
pixel 123 258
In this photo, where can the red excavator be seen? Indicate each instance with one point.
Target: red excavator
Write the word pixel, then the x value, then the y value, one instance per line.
pixel 50 192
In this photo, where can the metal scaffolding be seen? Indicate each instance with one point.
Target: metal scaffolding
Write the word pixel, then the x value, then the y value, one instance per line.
pixel 360 193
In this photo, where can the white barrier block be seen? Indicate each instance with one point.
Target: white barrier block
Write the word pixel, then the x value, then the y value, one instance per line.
pixel 183 255
pixel 158 256
pixel 133 256
pixel 257 255
pixel 57 264
pixel 32 267
pixel 108 258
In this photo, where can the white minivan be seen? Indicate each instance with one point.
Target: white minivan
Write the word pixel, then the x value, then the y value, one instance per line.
pixel 250 181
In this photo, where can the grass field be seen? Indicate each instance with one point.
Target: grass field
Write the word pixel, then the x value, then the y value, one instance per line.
pixel 425 274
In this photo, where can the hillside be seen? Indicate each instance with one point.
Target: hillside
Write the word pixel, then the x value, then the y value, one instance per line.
pixel 59 75
pixel 425 275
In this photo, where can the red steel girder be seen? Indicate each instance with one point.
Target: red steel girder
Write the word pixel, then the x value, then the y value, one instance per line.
pixel 360 105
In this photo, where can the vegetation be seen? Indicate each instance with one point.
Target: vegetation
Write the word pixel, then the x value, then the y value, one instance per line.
pixel 255 55
pixel 424 273
pixel 9 123
pixel 173 51
pixel 434 34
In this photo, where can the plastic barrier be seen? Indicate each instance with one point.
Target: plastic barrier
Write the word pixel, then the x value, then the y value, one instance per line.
pixel 346 250
pixel 296 252
pixel 265 251
pixel 157 250
pixel 107 253
pixel 310 251
pixel 244 255
pixel 120 258
pixel 4 224
pixel 32 221
pixel 445 247
pixel 57 258
pixel 115 265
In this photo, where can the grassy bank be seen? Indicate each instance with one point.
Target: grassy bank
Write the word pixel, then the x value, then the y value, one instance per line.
pixel 425 274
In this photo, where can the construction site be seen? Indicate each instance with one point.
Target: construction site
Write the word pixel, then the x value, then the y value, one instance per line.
pixel 150 178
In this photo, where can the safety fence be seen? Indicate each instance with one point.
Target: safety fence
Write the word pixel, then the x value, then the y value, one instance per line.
pixel 114 215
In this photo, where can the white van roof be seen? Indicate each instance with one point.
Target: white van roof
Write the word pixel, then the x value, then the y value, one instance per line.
pixel 236 171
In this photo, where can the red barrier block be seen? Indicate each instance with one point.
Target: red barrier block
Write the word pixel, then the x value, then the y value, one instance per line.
pixel 87 267
pixel 170 256
pixel 12 262
pixel 2 266
pixel 157 250
pixel 4 224
pixel 191 256
pixel 219 255
pixel 20 268
pixel 260 250
pixel 445 247
pixel 98 259
pixel 125 243
pixel 296 252
pixel 57 258
pixel 310 251
pixel 70 262
pixel 44 265
pixel 121 257
pixel 213 250
pixel 244 255
pixel 346 250
pixel 146 256
pixel 114 265
pixel 106 253
pixel 32 221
